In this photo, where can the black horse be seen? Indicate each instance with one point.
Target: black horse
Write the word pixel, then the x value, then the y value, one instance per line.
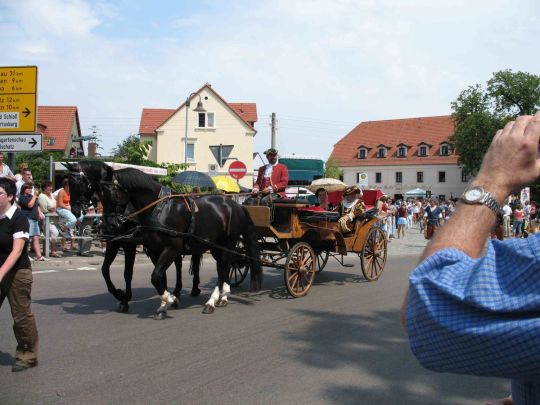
pixel 190 225
pixel 90 180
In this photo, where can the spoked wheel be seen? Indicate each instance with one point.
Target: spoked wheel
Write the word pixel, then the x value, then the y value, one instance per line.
pixel 373 256
pixel 322 259
pixel 299 271
pixel 239 266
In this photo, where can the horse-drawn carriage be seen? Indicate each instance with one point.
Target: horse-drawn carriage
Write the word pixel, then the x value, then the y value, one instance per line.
pixel 286 234
pixel 301 241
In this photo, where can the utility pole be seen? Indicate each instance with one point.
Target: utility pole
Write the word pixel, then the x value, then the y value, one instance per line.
pixel 273 139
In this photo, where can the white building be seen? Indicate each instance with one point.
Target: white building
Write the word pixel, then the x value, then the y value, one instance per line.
pixel 215 138
pixel 396 156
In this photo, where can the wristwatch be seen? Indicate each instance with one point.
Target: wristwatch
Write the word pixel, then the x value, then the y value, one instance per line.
pixel 477 195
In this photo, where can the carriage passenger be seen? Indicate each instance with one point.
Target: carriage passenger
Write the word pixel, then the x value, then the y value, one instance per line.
pixel 322 198
pixel 351 207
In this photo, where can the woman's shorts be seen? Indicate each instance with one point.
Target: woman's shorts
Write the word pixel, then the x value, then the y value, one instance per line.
pixel 402 221
pixel 34 227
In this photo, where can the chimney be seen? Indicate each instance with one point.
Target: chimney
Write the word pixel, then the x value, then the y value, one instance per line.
pixel 92 146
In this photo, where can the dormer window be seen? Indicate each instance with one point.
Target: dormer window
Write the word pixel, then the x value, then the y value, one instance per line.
pixel 381 152
pixel 402 151
pixel 445 149
pixel 423 148
pixel 362 153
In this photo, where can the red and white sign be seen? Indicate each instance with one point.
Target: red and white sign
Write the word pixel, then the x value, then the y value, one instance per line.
pixel 237 169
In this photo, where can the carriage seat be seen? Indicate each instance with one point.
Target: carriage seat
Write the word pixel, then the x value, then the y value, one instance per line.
pixel 371 213
pixel 318 216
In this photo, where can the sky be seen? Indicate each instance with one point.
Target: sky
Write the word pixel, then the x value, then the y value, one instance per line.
pixel 322 66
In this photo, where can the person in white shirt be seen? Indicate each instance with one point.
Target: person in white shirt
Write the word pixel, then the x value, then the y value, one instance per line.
pixel 5 171
pixel 26 178
pixel 507 214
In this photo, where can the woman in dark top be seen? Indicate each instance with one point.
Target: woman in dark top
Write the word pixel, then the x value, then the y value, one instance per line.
pixel 30 209
pixel 16 276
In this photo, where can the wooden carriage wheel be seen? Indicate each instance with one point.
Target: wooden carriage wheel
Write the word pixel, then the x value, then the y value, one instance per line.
pixel 322 259
pixel 373 255
pixel 299 271
pixel 239 266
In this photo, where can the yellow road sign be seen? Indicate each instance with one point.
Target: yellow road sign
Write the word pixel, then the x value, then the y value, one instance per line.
pixel 18 99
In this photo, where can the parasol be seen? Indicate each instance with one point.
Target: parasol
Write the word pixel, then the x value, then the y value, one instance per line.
pixel 226 183
pixel 328 184
pixel 194 179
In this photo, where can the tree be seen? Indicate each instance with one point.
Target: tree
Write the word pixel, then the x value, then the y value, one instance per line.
pixel 479 112
pixel 38 163
pixel 133 150
pixel 332 170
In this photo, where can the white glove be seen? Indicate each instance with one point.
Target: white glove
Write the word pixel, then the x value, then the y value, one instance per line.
pixel 350 215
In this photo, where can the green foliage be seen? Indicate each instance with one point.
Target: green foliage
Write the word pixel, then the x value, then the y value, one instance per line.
pixel 38 163
pixel 134 151
pixel 479 112
pixel 332 170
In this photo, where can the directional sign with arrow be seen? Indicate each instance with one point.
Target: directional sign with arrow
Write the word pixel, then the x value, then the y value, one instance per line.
pixel 18 95
pixel 21 143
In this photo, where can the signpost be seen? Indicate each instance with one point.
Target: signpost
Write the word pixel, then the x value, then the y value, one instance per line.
pixel 21 143
pixel 18 99
pixel 237 169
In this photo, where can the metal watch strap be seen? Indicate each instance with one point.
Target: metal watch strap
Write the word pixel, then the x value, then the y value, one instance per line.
pixel 491 203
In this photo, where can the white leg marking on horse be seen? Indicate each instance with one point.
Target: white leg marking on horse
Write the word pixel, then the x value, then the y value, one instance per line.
pixel 166 300
pixel 214 297
pixel 225 292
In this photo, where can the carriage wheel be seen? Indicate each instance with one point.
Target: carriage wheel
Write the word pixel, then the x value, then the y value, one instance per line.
pixel 239 266
pixel 322 259
pixel 373 255
pixel 299 271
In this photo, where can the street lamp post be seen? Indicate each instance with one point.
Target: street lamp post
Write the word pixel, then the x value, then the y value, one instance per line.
pixel 199 108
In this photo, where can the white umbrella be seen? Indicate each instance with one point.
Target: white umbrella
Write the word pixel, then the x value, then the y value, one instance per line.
pixel 328 184
pixel 416 191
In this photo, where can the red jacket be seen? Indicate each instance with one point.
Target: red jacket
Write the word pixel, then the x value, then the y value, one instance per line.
pixel 278 180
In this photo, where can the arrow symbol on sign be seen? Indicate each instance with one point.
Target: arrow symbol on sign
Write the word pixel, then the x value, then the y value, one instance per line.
pixel 26 112
pixel 33 142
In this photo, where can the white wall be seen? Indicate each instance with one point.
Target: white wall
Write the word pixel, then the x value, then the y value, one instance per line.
pixel 452 187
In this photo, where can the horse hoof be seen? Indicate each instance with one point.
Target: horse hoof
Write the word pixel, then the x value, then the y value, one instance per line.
pixel 123 307
pixel 195 292
pixel 208 309
pixel 175 304
pixel 222 303
pixel 158 316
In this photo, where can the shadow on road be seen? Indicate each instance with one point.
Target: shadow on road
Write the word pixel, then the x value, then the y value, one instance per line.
pixel 376 345
pixel 6 359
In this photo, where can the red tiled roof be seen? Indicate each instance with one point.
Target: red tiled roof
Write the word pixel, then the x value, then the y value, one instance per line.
pixel 153 118
pixel 247 111
pixel 57 122
pixel 411 131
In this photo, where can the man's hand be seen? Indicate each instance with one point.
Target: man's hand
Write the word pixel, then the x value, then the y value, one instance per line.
pixel 511 161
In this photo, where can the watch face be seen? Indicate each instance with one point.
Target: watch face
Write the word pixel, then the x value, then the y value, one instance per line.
pixel 474 194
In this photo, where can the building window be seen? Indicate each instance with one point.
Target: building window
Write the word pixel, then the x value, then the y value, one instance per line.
pixel 378 177
pixel 464 177
pixel 362 154
pixel 419 177
pixel 445 150
pixel 190 155
pixel 381 153
pixel 442 177
pixel 422 151
pixel 206 120
pixel 402 151
pixel 442 197
pixel 399 177
pixel 51 141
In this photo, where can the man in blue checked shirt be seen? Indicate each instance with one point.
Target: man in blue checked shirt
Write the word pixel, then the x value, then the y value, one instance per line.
pixel 471 311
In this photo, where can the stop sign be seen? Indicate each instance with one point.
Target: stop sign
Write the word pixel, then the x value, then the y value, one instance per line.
pixel 237 169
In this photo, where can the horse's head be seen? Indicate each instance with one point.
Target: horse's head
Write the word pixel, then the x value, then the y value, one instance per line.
pixel 80 189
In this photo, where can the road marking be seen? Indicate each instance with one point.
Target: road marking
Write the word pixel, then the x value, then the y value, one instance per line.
pixel 44 271
pixel 83 269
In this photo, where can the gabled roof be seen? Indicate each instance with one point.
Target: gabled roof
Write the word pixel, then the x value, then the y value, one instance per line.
pixel 57 122
pixel 411 131
pixel 153 118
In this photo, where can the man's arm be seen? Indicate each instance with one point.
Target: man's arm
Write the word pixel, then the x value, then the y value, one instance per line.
pixel 509 164
pixel 282 178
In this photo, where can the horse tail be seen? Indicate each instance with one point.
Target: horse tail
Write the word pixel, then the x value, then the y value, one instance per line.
pixel 253 251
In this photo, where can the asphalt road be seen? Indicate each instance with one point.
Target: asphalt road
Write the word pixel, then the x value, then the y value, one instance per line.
pixel 341 344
